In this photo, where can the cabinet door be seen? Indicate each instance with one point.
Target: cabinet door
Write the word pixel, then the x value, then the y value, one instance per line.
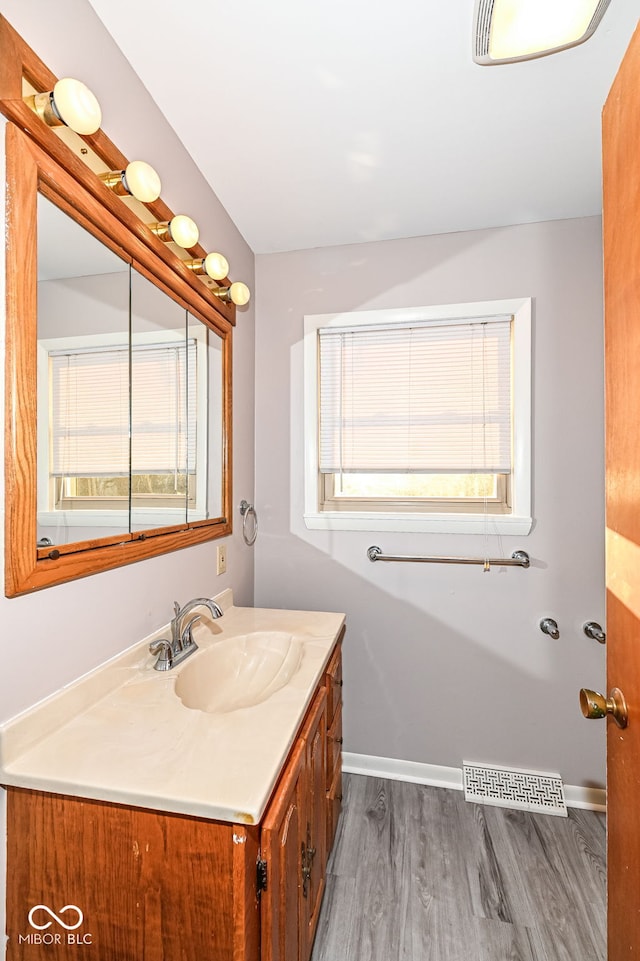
pixel 314 852
pixel 334 680
pixel 334 776
pixel 150 886
pixel 281 848
pixel 333 683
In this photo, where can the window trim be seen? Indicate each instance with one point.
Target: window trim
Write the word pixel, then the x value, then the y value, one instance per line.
pixel 520 521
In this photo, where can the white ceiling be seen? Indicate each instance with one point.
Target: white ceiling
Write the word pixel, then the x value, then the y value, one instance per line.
pixel 320 123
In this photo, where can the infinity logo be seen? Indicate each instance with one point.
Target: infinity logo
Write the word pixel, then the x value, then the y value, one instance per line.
pixel 56 917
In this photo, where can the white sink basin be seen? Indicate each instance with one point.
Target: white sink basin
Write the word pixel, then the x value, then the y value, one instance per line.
pixel 239 671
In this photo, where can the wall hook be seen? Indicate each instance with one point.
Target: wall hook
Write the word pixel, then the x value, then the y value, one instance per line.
pixel 550 627
pixel 593 630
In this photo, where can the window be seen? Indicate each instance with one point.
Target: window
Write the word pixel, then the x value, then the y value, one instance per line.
pixel 419 419
pixel 90 456
pixel 91 452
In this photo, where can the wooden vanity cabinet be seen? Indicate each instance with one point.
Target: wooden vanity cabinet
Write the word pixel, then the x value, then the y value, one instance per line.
pixel 154 886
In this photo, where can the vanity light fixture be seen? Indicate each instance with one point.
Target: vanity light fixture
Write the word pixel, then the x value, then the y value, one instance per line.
pixel 69 104
pixel 238 294
pixel 138 180
pixel 214 265
pixel 506 31
pixel 182 230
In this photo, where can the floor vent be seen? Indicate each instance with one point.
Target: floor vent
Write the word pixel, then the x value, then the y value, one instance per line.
pixel 525 790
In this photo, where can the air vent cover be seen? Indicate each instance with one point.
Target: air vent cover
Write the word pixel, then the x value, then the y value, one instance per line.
pixel 504 787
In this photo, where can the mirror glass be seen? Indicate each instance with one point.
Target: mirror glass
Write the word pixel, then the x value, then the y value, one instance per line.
pixel 83 383
pixel 207 396
pixel 163 414
pixel 130 414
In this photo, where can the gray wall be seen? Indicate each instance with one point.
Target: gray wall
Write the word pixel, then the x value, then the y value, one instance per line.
pixel 52 637
pixel 448 663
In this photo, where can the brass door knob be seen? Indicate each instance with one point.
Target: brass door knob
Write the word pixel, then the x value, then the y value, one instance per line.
pixel 594 705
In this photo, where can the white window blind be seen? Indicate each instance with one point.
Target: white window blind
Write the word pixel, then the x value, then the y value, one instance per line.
pixel 90 410
pixel 163 409
pixel 416 398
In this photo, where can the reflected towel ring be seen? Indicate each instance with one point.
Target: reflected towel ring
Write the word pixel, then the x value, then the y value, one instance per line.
pixel 247 510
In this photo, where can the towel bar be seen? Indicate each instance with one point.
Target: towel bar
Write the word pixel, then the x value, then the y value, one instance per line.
pixel 517 559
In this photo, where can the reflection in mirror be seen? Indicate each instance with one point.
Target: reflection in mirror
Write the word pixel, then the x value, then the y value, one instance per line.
pixel 95 477
pixel 207 345
pixel 176 440
pixel 82 383
pixel 163 411
pixel 176 415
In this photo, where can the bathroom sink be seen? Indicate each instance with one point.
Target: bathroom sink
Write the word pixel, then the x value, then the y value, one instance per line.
pixel 239 672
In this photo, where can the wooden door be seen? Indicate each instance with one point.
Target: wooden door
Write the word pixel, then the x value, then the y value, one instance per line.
pixel 314 825
pixel 280 846
pixel 621 153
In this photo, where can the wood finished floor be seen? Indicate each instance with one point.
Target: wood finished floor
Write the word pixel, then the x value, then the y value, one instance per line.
pixel 419 874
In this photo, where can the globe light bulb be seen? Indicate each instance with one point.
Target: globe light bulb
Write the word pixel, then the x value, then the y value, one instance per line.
pixel 142 181
pixel 239 294
pixel 183 231
pixel 76 106
pixel 216 266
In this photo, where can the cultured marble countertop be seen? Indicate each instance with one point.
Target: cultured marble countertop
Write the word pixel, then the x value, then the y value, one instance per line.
pixel 121 734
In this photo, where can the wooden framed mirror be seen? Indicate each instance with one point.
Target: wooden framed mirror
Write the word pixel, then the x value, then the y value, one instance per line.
pixel 97 303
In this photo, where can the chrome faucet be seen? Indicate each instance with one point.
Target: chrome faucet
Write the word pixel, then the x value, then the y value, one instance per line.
pixel 182 645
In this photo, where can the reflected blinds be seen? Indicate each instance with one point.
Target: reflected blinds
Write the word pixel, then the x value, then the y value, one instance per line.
pixel 419 398
pixel 90 410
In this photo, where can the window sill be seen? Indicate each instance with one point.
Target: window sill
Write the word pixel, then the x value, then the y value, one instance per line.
pixel 149 517
pixel 420 523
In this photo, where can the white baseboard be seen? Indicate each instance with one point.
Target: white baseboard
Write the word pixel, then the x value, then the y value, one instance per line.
pixel 590 798
pixel 397 770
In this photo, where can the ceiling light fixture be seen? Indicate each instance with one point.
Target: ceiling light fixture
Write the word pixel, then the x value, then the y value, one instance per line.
pixel 506 31
pixel 238 294
pixel 69 104
pixel 139 180
pixel 182 230
pixel 214 265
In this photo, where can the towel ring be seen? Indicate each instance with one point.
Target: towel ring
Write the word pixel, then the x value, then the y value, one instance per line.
pixel 248 510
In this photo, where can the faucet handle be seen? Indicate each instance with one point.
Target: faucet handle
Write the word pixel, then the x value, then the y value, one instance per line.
pixel 176 608
pixel 164 652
